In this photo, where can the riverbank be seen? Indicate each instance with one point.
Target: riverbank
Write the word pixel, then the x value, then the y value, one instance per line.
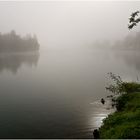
pixel 125 122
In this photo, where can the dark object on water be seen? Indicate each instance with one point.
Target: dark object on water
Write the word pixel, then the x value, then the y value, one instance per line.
pixel 102 101
pixel 113 105
pixel 113 100
pixel 109 96
pixel 96 134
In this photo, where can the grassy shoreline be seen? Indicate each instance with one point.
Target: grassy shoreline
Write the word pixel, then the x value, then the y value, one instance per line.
pixel 125 122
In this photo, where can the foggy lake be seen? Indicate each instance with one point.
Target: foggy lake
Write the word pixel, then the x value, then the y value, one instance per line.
pixel 54 94
pixel 55 57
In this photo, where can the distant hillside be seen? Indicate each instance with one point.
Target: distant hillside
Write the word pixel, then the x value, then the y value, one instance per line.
pixel 11 42
pixel 131 42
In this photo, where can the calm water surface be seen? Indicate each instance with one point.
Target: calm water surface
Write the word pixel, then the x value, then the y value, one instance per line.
pixel 55 94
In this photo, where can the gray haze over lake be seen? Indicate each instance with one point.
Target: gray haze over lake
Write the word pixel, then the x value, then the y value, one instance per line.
pixel 55 93
pixel 55 96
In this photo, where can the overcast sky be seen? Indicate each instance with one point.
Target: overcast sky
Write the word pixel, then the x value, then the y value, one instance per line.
pixel 68 23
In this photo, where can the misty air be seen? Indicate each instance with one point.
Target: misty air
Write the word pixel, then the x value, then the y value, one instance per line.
pixel 69 69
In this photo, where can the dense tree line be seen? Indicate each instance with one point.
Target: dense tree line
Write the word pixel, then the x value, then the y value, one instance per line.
pixel 11 42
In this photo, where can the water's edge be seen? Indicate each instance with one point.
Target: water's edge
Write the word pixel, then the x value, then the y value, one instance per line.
pixel 103 111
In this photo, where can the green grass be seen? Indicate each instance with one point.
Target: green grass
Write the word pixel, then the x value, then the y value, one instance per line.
pixel 125 122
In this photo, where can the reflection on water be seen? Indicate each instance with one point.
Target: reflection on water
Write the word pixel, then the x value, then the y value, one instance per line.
pixel 100 112
pixel 13 61
pixel 59 97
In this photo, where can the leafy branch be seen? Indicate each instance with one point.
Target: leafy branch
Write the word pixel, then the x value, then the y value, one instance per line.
pixel 120 87
pixel 133 20
pixel 117 86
